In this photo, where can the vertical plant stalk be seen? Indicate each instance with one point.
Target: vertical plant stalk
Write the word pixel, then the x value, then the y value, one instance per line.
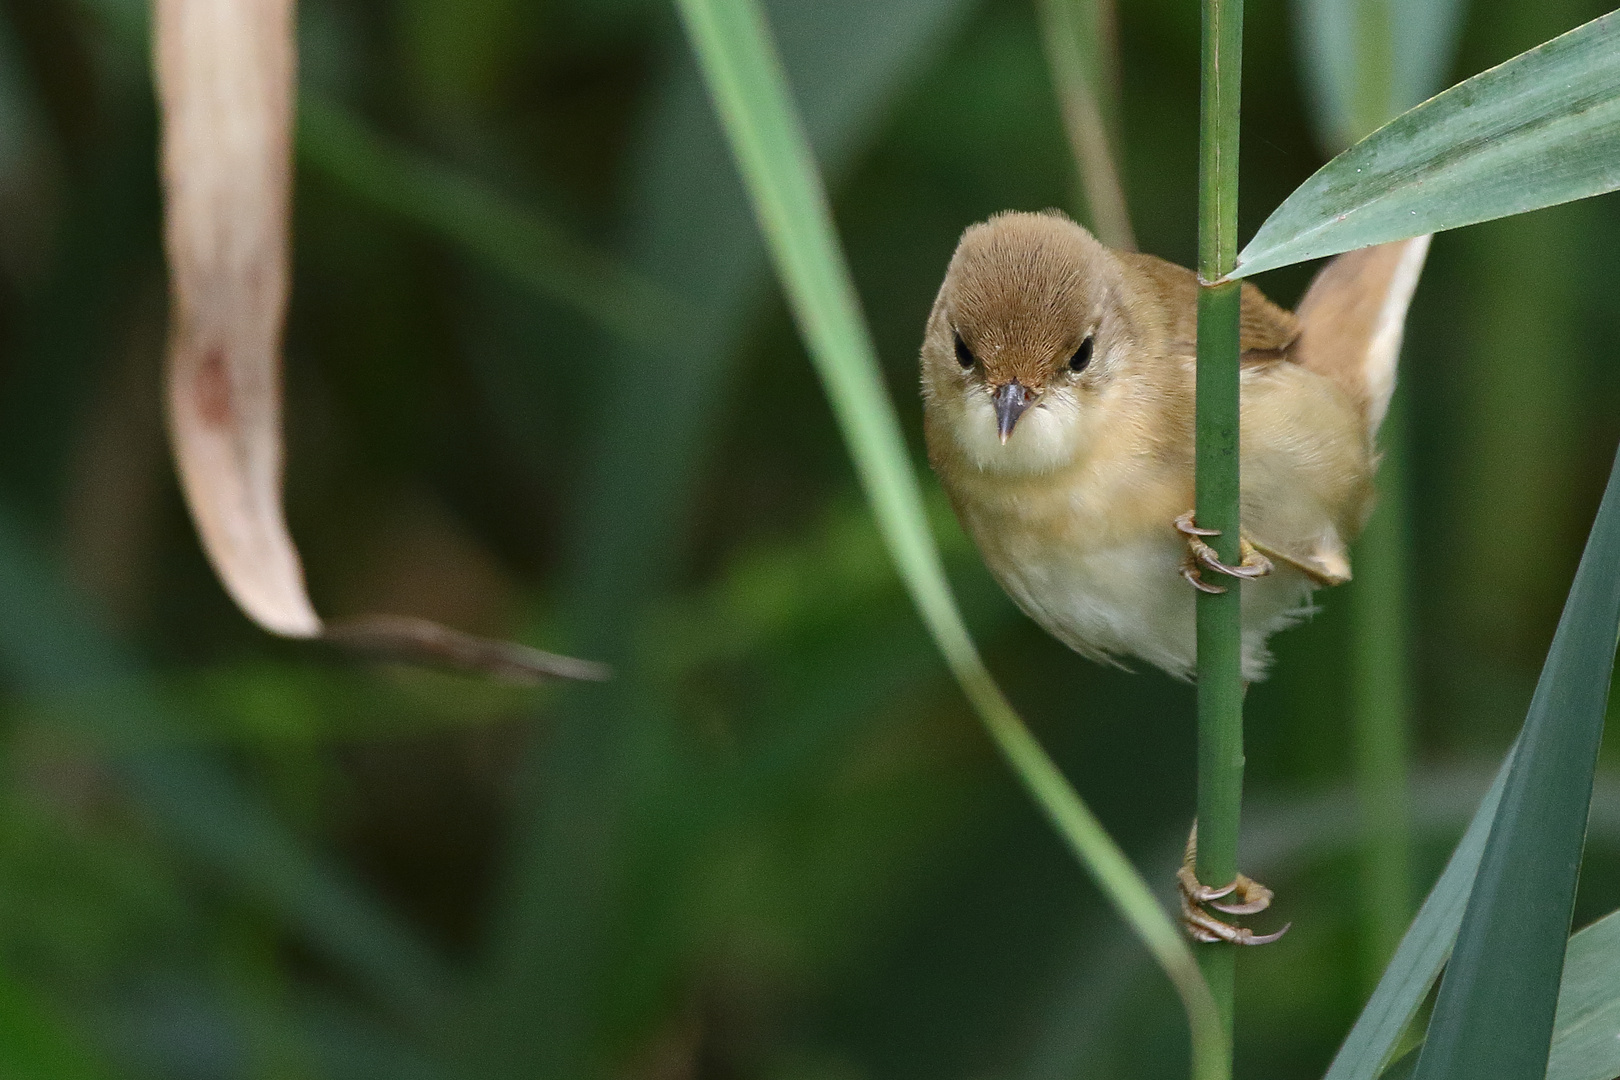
pixel 1380 703
pixel 749 88
pixel 1220 616
pixel 1080 50
pixel 1380 699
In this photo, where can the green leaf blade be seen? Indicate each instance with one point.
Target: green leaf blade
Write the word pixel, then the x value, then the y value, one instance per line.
pixel 1422 952
pixel 1538 130
pixel 1495 1012
pixel 744 74
pixel 1586 1034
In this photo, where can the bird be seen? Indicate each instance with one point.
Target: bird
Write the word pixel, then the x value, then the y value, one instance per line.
pixel 1058 410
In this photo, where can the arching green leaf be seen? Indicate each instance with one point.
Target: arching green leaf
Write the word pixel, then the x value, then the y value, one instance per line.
pixel 1541 129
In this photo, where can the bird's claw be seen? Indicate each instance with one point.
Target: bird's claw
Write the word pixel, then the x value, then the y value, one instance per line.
pixel 1201 555
pixel 1200 925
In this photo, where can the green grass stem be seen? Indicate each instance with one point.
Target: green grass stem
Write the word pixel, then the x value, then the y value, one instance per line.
pixel 1220 675
pixel 749 88
pixel 1380 704
pixel 1080 52
pixel 1380 698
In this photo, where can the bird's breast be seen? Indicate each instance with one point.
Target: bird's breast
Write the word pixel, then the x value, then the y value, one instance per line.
pixel 1090 557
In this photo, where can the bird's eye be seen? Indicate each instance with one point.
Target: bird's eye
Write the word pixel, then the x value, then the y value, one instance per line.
pixel 1082 356
pixel 964 355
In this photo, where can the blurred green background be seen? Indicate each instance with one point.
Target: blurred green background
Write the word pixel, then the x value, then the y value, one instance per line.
pixel 540 384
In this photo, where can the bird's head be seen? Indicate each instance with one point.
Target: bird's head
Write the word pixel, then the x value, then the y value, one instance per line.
pixel 1027 333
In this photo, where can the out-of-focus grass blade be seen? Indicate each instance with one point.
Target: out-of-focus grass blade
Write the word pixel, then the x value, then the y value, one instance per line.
pixel 1541 129
pixel 1425 36
pixel 1080 52
pixel 50 644
pixel 1586 1034
pixel 512 238
pixel 1494 1014
pixel 750 92
pixel 560 923
pixel 1422 952
pixel 1354 85
pixel 35 1043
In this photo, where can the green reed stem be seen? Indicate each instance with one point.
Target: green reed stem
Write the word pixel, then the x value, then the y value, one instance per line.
pixel 750 91
pixel 1380 707
pixel 1380 702
pixel 1220 624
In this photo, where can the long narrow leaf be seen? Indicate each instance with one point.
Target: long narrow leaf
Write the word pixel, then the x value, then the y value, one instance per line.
pixel 1541 129
pixel 1586 1035
pixel 750 92
pixel 560 923
pixel 1080 51
pixel 1495 1011
pixel 225 82
pixel 1422 952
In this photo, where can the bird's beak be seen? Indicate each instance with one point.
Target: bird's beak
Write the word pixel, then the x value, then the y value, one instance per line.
pixel 1011 400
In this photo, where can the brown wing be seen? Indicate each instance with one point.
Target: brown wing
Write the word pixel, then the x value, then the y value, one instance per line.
pixel 1266 330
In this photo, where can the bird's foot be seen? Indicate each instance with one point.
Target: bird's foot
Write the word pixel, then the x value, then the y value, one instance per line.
pixel 1200 556
pixel 1200 925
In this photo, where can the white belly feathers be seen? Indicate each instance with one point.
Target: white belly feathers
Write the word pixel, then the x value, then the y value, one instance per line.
pixel 1130 600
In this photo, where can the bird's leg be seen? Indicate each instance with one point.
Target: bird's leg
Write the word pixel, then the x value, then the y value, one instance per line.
pixel 1201 555
pixel 1251 897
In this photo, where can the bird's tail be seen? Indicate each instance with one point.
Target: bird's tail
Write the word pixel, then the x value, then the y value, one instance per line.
pixel 1352 317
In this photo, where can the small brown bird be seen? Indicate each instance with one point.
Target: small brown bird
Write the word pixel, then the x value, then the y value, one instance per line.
pixel 1057 382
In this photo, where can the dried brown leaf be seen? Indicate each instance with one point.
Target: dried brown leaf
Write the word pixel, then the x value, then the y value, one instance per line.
pixel 424 642
pixel 225 75
pixel 225 83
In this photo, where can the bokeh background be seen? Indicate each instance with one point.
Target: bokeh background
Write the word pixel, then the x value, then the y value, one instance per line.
pixel 776 845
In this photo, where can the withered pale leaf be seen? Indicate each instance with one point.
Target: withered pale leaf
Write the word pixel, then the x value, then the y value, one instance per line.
pixel 225 83
pixel 225 75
